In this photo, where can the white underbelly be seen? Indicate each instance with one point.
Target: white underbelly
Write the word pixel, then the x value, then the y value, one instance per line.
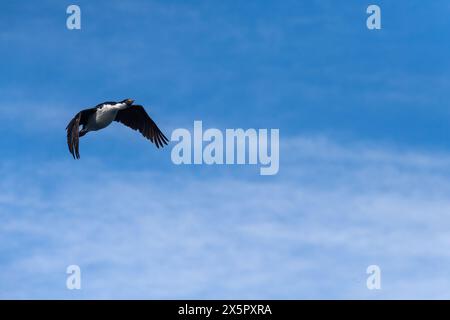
pixel 102 118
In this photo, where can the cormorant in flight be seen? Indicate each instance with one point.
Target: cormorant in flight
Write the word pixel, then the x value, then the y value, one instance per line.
pixel 102 115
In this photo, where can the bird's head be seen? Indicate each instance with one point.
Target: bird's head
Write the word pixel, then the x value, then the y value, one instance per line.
pixel 128 102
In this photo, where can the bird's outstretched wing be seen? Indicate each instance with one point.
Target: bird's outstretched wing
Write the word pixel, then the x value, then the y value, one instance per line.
pixel 136 118
pixel 73 131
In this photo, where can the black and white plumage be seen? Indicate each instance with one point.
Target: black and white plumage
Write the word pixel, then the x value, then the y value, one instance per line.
pixel 102 115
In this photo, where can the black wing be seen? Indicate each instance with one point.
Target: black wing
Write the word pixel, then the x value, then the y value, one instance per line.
pixel 136 118
pixel 73 131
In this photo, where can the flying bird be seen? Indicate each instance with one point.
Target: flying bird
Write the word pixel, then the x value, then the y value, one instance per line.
pixel 103 114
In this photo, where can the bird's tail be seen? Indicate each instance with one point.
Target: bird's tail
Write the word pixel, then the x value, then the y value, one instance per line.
pixel 82 133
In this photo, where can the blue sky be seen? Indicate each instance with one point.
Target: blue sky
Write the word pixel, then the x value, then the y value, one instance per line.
pixel 364 169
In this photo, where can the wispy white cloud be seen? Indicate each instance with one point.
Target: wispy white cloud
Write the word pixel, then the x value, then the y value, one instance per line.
pixel 309 232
